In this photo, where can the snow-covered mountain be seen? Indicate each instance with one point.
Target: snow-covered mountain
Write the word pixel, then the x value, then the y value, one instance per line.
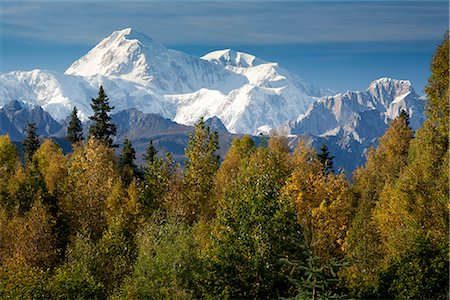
pixel 138 72
pixel 385 98
pixel 352 122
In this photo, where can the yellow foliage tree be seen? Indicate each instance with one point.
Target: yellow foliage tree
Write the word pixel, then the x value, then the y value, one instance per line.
pixel 29 241
pixel 323 203
pixel 383 167
pixel 91 179
pixel 9 162
pixel 51 162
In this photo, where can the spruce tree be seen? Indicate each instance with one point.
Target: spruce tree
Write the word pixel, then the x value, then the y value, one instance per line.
pixel 74 131
pixel 150 153
pixel 326 160
pixel 126 162
pixel 31 143
pixel 102 129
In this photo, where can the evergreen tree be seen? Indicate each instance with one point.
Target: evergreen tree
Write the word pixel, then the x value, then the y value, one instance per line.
pixel 31 143
pixel 102 129
pixel 74 131
pixel 126 162
pixel 150 153
pixel 325 159
pixel 404 116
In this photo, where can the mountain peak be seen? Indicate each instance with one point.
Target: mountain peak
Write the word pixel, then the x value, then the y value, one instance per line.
pixel 131 34
pixel 125 53
pixel 389 84
pixel 229 57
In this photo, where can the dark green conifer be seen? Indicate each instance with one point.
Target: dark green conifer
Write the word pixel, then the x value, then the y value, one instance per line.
pixel 126 162
pixel 31 143
pixel 326 160
pixel 150 153
pixel 74 131
pixel 102 129
pixel 404 116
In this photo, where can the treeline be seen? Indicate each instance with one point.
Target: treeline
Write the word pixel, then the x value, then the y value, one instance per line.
pixel 265 223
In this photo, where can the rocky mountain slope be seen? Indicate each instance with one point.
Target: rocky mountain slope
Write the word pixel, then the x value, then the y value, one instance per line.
pixel 352 122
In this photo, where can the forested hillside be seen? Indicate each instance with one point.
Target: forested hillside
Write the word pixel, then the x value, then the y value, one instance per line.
pixel 264 223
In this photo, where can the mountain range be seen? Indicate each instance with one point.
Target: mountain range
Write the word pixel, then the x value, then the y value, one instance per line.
pixel 159 93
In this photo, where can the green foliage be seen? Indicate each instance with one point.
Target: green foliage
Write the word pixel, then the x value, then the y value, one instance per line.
pixel 127 166
pixel 159 176
pixel 27 283
pixel 150 153
pixel 74 131
pixel 317 279
pixel 102 129
pixel 31 142
pixel 166 265
pixel 325 159
pixel 420 273
pixel 250 233
pixel 74 279
pixel 114 258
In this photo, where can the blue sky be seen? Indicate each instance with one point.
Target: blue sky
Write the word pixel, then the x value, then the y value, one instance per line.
pixel 335 44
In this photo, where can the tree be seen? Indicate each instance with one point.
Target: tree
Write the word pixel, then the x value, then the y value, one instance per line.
pixel 9 162
pixel 126 162
pixel 74 131
pixel 8 156
pixel 31 143
pixel 167 263
pixel 254 226
pixel 233 162
pixel 159 175
pixel 91 183
pixel 437 88
pixel 384 166
pixel 102 129
pixel 323 204
pixel 412 214
pixel 325 159
pixel 150 153
pixel 51 163
pixel 198 181
pixel 33 239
